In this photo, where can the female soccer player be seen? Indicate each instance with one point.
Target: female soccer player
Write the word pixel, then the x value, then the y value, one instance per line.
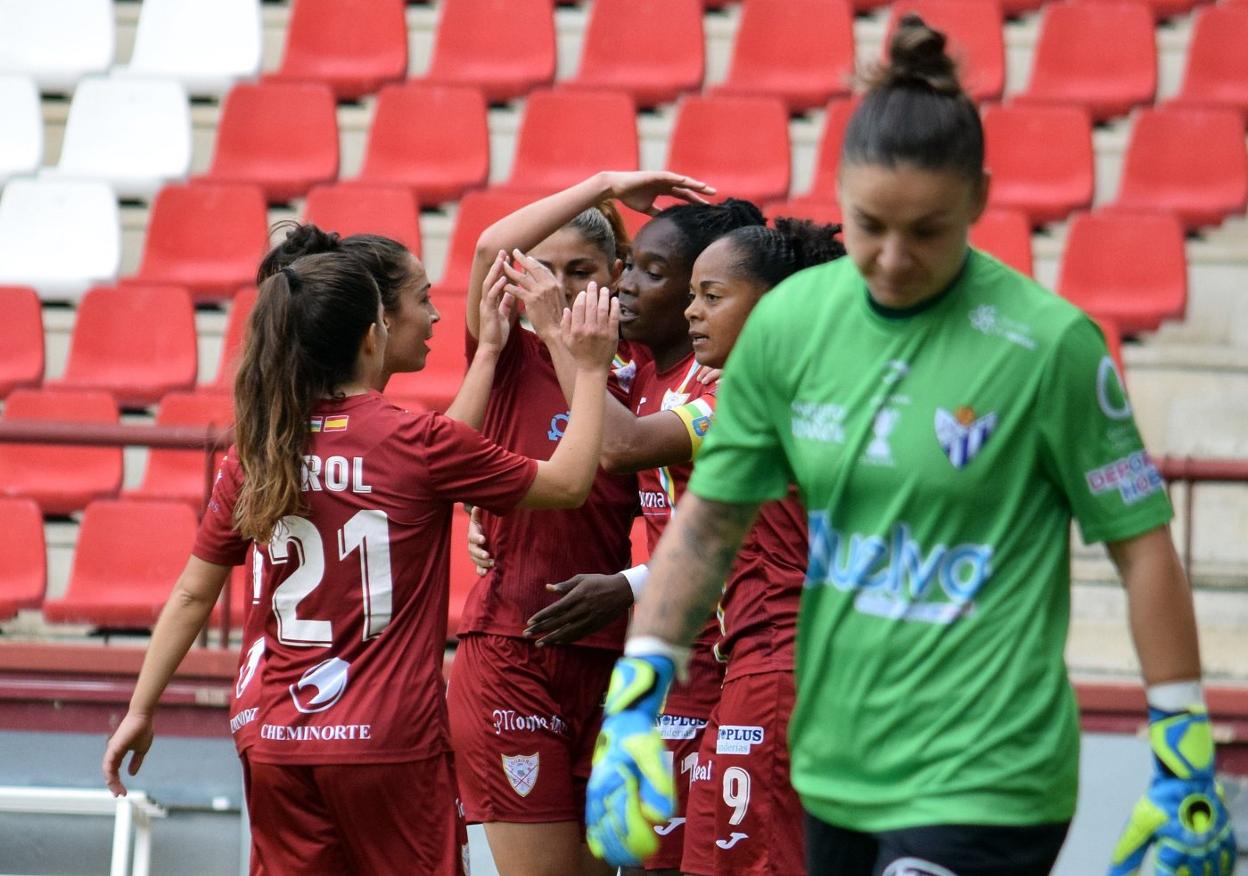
pixel 524 718
pixel 348 500
pixel 743 816
pixel 944 418
pixel 657 435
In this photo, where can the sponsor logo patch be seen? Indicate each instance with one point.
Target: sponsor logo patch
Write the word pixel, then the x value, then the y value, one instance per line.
pixel 987 320
pixel 558 425
pixel 1110 394
pixel 818 422
pixel 248 670
pixel 321 686
pixel 734 739
pixel 521 772
pixel 1134 477
pixel 962 434
pixel 678 726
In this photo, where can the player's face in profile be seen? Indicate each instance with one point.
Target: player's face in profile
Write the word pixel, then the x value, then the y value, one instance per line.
pixel 574 261
pixel 411 324
pixel 906 228
pixel 720 300
pixel 654 287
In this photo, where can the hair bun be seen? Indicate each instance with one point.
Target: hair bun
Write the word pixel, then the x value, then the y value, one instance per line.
pixel 743 212
pixel 917 56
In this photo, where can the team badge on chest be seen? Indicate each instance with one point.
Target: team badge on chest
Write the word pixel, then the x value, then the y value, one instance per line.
pixel 521 772
pixel 961 434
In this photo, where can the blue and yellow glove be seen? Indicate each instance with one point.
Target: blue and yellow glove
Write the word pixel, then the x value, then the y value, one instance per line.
pixel 1183 811
pixel 631 788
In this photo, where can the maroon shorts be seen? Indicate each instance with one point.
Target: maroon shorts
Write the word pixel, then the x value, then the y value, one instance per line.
pixel 384 818
pixel 744 816
pixel 524 721
pixel 683 736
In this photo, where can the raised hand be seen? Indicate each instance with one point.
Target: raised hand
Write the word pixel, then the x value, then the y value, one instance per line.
pixel 496 306
pixel 591 327
pixel 590 602
pixel 133 734
pixel 534 284
pixel 639 189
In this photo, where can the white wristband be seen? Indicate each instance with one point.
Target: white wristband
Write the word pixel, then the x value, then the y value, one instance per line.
pixel 1176 696
pixel 636 577
pixel 653 646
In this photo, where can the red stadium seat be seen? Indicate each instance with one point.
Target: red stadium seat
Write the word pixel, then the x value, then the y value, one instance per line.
pixel 24 573
pixel 1015 8
pixel 1130 268
pixel 232 342
pixel 137 342
pixel 653 49
pixel 477 212
pixel 463 571
pixel 180 475
pixel 554 149
pixel 129 556
pixel 206 237
pixel 801 51
pixel 21 338
pixel 281 136
pixel 1191 162
pixel 740 145
pixel 1216 73
pixel 504 47
pixel 435 386
pixel 828 160
pixel 348 208
pixel 1040 158
pixel 974 29
pixel 354 48
pixel 1005 234
pixel 430 138
pixel 1102 56
pixel 61 478
pixel 1161 8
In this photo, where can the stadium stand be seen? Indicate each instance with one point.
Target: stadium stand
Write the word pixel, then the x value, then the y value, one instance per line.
pixel 1216 68
pixel 24 573
pixel 438 162
pixel 1006 234
pixel 136 342
pixel 282 136
pixel 822 193
pixel 232 342
pixel 740 144
pixel 354 48
pixel 553 148
pixel 38 216
pixel 666 49
pixel 21 144
pixel 975 32
pixel 56 42
pixel 1102 56
pixel 121 575
pixel 350 208
pixel 61 479
pixel 208 237
pixel 1040 158
pixel 179 475
pixel 132 133
pixel 504 47
pixel 477 212
pixel 801 51
pixel 21 338
pixel 207 45
pixel 1127 267
pixel 1159 172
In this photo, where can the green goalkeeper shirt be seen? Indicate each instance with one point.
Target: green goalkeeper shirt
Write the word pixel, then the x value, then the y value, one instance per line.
pixel 940 456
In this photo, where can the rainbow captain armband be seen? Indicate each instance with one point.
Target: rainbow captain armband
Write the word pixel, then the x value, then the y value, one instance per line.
pixel 697 416
pixel 1183 813
pixel 631 788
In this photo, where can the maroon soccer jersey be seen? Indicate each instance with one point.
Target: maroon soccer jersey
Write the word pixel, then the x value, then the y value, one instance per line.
pixel 660 490
pixel 759 607
pixel 354 593
pixel 527 413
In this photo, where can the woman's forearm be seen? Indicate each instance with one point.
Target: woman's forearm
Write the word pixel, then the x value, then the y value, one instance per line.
pixel 470 402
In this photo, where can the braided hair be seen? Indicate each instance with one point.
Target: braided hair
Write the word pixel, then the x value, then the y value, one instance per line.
pixel 769 255
pixel 702 224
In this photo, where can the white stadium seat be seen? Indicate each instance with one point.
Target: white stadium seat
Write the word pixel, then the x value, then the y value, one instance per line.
pixel 130 132
pixel 58 236
pixel 205 44
pixel 21 135
pixel 56 42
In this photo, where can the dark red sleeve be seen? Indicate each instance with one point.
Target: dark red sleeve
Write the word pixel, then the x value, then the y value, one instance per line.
pixel 465 466
pixel 217 541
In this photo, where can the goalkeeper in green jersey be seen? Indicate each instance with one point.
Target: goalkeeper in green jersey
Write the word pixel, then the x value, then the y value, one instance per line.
pixel 944 419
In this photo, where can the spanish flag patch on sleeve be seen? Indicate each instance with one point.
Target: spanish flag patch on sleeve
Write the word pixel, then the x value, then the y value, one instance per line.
pixel 697 416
